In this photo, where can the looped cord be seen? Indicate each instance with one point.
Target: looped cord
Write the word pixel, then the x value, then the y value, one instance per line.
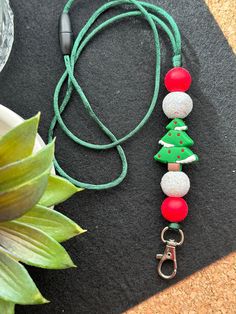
pixel 155 16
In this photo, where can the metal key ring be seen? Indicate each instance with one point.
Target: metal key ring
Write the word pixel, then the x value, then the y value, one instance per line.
pixel 175 242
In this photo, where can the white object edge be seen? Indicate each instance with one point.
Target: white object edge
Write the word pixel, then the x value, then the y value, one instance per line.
pixel 9 119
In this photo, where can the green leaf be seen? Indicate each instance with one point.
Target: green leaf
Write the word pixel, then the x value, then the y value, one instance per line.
pixel 53 223
pixel 25 170
pixel 58 190
pixel 32 246
pixel 7 307
pixel 16 284
pixel 15 202
pixel 19 142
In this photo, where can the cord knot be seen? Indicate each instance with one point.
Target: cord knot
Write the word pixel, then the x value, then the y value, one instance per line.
pixel 176 60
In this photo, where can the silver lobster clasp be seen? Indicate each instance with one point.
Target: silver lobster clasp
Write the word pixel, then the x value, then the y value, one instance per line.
pixel 169 253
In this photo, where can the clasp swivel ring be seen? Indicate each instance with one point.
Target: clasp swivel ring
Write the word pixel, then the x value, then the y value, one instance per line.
pixel 169 253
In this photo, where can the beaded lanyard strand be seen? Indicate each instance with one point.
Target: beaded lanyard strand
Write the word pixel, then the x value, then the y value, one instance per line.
pixel 176 105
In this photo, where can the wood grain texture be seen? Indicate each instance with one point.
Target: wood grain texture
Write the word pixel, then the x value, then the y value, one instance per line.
pixel 224 12
pixel 213 289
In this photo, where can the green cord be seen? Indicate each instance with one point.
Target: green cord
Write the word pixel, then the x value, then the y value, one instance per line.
pixel 149 12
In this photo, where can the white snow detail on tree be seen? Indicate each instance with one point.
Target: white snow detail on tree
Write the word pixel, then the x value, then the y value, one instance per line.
pixel 165 144
pixel 187 160
pixel 181 128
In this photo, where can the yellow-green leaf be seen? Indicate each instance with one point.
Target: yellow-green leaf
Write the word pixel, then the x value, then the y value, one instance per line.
pixel 20 172
pixel 58 190
pixel 53 223
pixel 19 142
pixel 32 246
pixel 7 307
pixel 16 284
pixel 15 202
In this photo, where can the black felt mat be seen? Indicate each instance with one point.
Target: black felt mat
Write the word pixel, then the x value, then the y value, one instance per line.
pixel 116 258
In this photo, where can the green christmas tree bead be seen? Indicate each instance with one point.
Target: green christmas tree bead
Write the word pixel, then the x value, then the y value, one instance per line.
pixel 176 138
pixel 180 155
pixel 177 124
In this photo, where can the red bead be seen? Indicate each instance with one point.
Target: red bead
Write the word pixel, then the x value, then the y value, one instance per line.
pixel 174 209
pixel 178 80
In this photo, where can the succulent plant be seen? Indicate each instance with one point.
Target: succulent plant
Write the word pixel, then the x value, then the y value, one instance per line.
pixel 30 230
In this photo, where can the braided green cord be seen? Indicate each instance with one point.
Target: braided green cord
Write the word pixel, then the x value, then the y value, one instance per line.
pixel 163 20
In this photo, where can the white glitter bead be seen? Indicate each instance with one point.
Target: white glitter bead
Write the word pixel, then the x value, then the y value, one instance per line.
pixel 175 183
pixel 177 105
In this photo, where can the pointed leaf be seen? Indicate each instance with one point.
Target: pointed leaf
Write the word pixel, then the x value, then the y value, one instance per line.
pixel 16 284
pixel 19 142
pixel 32 246
pixel 53 223
pixel 58 190
pixel 22 171
pixel 15 202
pixel 7 307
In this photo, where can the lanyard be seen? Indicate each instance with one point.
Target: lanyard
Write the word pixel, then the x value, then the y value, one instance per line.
pixel 155 17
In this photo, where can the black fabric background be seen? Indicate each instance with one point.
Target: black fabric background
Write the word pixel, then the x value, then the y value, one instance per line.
pixel 116 257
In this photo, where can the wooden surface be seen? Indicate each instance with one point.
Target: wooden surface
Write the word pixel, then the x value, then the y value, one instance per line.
pixel 224 12
pixel 209 291
pixel 213 289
